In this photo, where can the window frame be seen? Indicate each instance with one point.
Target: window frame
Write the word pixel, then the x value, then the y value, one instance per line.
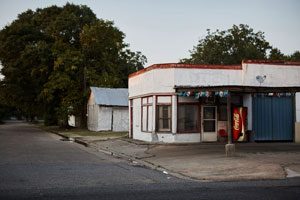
pixel 198 126
pixel 157 113
pixel 147 105
pixel 207 119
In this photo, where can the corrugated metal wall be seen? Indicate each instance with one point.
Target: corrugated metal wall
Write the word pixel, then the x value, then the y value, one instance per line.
pixel 104 118
pixel 120 119
pixel 273 118
pixel 92 122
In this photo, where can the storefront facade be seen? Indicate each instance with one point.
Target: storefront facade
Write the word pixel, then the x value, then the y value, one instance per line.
pixel 179 103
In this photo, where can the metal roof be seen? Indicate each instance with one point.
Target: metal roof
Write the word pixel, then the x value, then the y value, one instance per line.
pixel 110 96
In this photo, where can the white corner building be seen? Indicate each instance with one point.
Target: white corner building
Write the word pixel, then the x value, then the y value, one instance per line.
pixel 184 103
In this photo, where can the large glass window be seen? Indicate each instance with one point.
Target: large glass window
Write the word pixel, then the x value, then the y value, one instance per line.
pixel 147 114
pixel 188 118
pixel 163 115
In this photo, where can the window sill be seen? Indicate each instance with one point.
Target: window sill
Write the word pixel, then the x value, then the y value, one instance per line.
pixel 167 132
pixel 188 132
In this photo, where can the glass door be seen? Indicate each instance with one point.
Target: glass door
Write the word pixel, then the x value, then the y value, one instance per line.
pixel 209 123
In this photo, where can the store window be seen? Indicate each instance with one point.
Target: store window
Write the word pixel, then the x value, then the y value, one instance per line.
pixel 164 116
pixel 223 113
pixel 147 114
pixel 188 118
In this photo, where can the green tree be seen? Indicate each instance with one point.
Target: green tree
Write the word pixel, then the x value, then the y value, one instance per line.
pixel 108 62
pixel 275 54
pixel 230 46
pixel 17 58
pixel 295 56
pixel 51 56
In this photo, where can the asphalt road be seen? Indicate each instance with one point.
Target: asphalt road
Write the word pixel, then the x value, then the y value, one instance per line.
pixel 38 165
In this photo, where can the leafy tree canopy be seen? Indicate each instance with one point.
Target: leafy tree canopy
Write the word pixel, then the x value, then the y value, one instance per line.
pixel 51 55
pixel 234 45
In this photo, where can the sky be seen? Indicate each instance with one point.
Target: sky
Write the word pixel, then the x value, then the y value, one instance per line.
pixel 165 30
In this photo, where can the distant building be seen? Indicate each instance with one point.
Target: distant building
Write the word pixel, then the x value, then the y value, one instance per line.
pixel 73 121
pixel 188 103
pixel 107 109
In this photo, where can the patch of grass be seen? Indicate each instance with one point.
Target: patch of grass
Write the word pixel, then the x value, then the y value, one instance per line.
pixel 84 132
pixel 48 128
pixel 79 132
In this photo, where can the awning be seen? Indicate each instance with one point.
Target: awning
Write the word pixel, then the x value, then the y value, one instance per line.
pixel 239 89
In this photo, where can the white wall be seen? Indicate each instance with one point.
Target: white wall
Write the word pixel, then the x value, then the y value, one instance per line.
pixel 92 112
pixel 178 138
pixel 100 117
pixel 153 81
pixel 120 119
pixel 163 80
pixel 104 118
pixel 276 75
pixel 247 101
pixel 207 77
pixel 92 121
pixel 137 133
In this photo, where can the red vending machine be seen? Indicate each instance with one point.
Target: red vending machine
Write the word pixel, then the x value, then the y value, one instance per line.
pixel 239 124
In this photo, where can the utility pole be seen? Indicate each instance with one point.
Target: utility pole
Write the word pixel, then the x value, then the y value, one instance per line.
pixel 84 109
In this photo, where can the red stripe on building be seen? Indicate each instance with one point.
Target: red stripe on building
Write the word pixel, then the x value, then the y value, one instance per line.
pixel 185 66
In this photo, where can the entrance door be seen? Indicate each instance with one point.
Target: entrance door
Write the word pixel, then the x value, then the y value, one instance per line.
pixel 209 123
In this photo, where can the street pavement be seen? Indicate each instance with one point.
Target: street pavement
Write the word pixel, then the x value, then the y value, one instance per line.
pixel 38 165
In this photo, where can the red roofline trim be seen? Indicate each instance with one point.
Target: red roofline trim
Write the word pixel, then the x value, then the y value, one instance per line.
pixel 184 66
pixel 272 62
pixel 207 66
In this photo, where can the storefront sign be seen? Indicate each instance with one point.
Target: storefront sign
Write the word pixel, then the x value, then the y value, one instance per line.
pixel 203 93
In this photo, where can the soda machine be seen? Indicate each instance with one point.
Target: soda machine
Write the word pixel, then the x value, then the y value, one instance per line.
pixel 239 124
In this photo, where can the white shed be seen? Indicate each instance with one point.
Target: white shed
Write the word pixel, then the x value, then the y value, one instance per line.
pixel 107 109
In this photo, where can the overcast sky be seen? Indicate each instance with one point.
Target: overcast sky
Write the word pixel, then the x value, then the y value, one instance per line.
pixel 165 30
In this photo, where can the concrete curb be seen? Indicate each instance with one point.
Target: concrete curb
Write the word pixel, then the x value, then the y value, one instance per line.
pixel 57 133
pixel 138 142
pixel 140 162
pixel 77 140
pixel 81 142
pixel 128 158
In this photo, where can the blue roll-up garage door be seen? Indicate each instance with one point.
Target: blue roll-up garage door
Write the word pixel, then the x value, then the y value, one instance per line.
pixel 273 118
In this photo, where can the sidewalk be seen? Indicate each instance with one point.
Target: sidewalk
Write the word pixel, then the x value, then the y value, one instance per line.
pixel 207 161
pixel 202 161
